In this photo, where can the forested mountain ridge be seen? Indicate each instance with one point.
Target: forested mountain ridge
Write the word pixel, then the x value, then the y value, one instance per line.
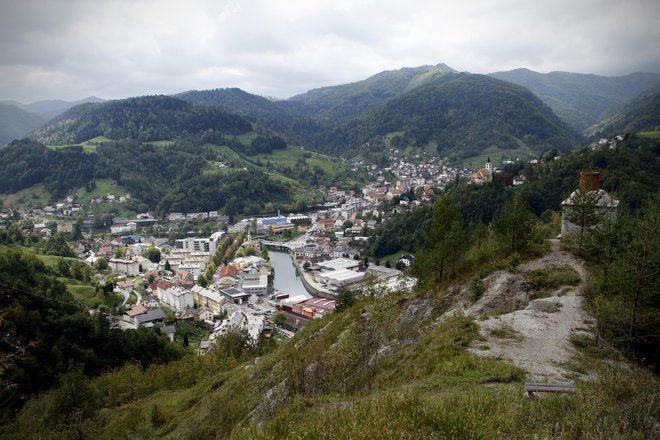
pixel 16 123
pixel 147 118
pixel 177 178
pixel 460 113
pixel 264 113
pixel 464 114
pixel 642 114
pixel 582 100
pixel 428 107
pixel 339 104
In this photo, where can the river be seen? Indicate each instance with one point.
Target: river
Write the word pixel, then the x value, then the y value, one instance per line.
pixel 286 278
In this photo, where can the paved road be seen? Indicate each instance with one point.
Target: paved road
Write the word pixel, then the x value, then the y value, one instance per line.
pixel 124 297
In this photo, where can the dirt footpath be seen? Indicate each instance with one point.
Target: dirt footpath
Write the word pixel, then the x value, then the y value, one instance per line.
pixel 534 338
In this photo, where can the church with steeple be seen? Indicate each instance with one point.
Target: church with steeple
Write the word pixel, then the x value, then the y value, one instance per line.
pixel 484 175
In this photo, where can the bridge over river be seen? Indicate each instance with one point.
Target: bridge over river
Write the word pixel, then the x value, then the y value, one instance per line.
pixel 283 245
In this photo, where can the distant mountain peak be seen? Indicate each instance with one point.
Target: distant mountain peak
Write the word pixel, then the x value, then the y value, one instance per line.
pixel 581 99
pixel 341 103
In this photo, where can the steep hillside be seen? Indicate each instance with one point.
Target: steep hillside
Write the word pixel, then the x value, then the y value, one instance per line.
pixel 640 115
pixel 16 123
pixel 147 118
pixel 267 114
pixel 579 99
pixel 339 104
pixel 180 177
pixel 393 366
pixel 464 114
pixel 495 306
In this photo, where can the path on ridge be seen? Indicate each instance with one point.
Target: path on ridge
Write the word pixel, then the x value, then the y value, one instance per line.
pixel 544 348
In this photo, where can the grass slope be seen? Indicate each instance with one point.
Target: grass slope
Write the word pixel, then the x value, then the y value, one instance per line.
pixel 385 368
pixel 36 196
pixel 495 154
pixel 103 187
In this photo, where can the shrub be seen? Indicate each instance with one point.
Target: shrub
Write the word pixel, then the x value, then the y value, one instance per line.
pixel 476 288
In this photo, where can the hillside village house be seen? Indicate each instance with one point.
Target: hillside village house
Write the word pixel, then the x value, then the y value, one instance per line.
pixel 124 287
pixel 240 227
pixel 120 229
pixel 194 269
pixel 65 227
pixel 205 245
pixel 202 314
pixel 140 315
pixel 150 302
pixel 605 204
pixel 150 317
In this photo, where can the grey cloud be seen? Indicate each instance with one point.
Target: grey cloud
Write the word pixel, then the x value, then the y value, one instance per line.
pixel 73 48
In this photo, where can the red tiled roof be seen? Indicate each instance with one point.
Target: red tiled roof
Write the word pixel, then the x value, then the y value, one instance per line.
pixel 228 271
pixel 481 174
pixel 161 284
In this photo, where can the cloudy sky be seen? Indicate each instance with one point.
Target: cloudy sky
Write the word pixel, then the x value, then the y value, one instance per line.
pixel 70 49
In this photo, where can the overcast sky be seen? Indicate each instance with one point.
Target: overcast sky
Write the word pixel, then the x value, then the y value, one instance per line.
pixel 70 49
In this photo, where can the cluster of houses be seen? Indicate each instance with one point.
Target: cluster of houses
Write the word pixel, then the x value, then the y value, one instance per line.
pixel 238 291
pixel 610 143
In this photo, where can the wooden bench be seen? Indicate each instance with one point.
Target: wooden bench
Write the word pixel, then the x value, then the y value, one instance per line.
pixel 531 388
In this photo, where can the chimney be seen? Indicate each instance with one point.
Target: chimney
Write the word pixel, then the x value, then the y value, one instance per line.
pixel 590 180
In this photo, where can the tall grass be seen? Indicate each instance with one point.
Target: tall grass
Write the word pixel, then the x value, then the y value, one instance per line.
pixel 384 368
pixel 618 405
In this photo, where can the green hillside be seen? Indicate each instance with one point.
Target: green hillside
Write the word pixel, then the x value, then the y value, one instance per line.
pixel 335 105
pixel 579 99
pixel 147 118
pixel 463 114
pixel 638 116
pixel 16 123
pixel 271 115
pixel 174 178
